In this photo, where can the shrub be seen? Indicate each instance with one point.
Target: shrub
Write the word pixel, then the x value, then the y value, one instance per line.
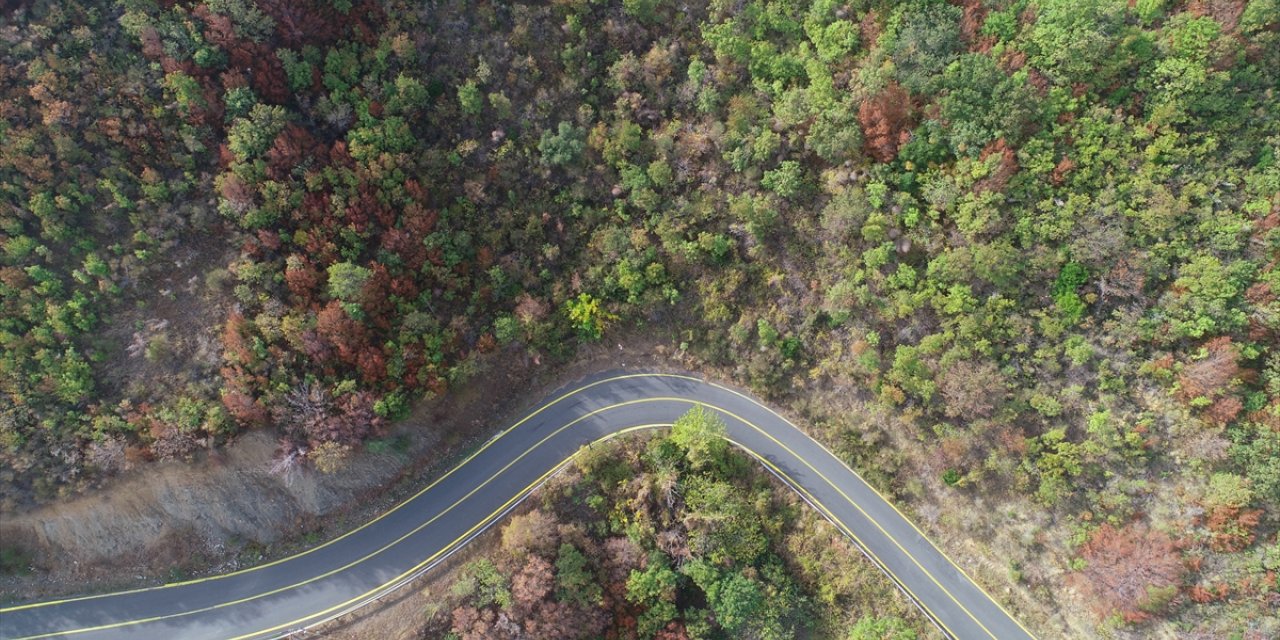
pixel 562 147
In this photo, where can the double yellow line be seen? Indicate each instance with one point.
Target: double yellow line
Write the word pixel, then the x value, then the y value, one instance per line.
pixel 352 532
pixel 857 506
pixel 444 551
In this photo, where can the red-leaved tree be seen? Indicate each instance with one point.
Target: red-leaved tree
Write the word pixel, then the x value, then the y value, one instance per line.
pixel 1130 572
pixel 886 122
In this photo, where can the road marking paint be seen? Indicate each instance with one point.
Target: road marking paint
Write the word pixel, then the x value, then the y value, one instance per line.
pixel 377 590
pixel 222 605
pixel 273 563
pixel 860 510
pixel 490 519
pixel 869 485
pixel 785 448
pixel 826 513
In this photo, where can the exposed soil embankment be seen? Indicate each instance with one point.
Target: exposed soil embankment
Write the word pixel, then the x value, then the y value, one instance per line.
pixel 178 515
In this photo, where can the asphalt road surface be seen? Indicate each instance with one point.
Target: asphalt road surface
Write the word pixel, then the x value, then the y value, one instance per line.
pixel 301 591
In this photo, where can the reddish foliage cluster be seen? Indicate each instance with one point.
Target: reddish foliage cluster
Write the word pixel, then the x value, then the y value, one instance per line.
pixel 886 122
pixel 1202 594
pixel 869 29
pixel 416 222
pixel 318 23
pixel 343 333
pixel 530 309
pixel 399 233
pixel 1012 60
pixel 302 277
pixel 1224 410
pixel 1060 172
pixel 1012 440
pixel 975 14
pixel 255 64
pixel 243 407
pixel 536 610
pixel 1008 166
pixel 1261 295
pixel 621 557
pixel 531 614
pixel 237 348
pixel 14 277
pixel 1226 12
pixel 531 585
pixel 375 297
pixel 1123 568
pixel 291 147
pixel 310 414
pixel 953 452
pixel 1232 527
pixel 1126 280
pixel 674 631
pixel 240 380
pixel 1039 81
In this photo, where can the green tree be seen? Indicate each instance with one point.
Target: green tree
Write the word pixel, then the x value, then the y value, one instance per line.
pixel 737 601
pixel 835 135
pixel 656 582
pixel 575 581
pixel 972 85
pixel 645 11
pixel 186 91
pixel 562 147
pixel 410 95
pixel 482 583
pixel 786 181
pixel 701 432
pixel 346 280
pixel 587 314
pixel 470 98
pixel 1071 38
pixel 250 136
pixel 1205 297
pixel 297 70
pixel 927 40
pixel 239 101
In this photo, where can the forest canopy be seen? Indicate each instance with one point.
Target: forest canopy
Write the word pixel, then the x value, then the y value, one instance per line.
pixel 1042 235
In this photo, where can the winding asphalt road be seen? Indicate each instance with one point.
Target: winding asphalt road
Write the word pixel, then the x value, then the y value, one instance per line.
pixel 352 570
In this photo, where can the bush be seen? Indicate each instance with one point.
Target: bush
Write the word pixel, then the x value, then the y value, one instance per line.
pixel 470 98
pixel 587 315
pixel 14 561
pixel 786 181
pixel 563 147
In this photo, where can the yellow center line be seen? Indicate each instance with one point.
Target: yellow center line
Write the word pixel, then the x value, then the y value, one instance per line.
pixel 840 525
pixel 873 489
pixel 487 521
pixel 849 532
pixel 353 563
pixel 366 525
pixel 525 492
pixel 866 515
